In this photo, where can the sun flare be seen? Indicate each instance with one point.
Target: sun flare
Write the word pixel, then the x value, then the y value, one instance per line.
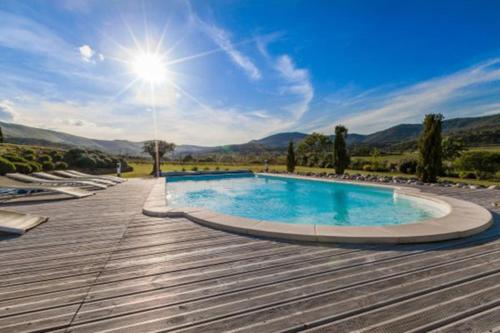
pixel 149 67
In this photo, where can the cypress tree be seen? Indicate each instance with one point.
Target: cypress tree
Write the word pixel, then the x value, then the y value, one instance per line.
pixel 290 158
pixel 1 135
pixel 340 156
pixel 429 149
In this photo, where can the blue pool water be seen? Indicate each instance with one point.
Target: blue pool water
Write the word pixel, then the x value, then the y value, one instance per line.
pixel 296 200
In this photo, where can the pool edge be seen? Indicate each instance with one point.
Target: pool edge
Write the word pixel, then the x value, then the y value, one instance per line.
pixel 464 219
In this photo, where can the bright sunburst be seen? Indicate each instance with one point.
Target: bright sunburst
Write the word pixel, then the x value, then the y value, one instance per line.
pixel 149 67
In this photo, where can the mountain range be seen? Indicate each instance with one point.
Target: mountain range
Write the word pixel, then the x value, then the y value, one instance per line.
pixel 16 133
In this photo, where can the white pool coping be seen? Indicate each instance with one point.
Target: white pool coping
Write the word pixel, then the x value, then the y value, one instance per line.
pixel 461 219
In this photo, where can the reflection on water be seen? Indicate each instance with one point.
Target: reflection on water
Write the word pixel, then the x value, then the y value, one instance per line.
pixel 297 201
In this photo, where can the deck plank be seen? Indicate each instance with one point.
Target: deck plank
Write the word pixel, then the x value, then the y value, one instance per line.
pixel 100 265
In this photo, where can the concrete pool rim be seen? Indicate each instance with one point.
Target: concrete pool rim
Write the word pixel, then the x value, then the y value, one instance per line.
pixel 462 219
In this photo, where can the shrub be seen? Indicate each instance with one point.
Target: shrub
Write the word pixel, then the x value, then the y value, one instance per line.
pixel 195 168
pixel 47 166
pixel 29 155
pixel 367 167
pixel 71 156
pixel 408 166
pixel 467 175
pixel 35 166
pixel 57 156
pixel 85 162
pixel 206 168
pixel 358 164
pixel 483 164
pixel 44 158
pixel 28 152
pixel 22 167
pixel 6 166
pixel 61 165
pixel 14 158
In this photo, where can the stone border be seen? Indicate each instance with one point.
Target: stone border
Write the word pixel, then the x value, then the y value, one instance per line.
pixel 461 219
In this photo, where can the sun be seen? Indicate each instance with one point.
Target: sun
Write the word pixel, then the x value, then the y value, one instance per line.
pixel 149 67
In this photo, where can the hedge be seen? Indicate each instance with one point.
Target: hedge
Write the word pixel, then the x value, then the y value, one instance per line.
pixel 22 167
pixel 6 166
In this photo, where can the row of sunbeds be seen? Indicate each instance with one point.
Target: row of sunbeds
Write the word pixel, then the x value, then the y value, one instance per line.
pixel 69 182
pixel 45 186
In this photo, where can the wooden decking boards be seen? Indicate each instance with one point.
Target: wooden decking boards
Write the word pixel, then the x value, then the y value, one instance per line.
pixel 100 265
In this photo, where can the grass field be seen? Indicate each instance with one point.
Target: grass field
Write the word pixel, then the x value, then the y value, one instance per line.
pixel 144 170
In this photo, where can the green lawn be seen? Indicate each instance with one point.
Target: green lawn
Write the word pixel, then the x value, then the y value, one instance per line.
pixel 144 170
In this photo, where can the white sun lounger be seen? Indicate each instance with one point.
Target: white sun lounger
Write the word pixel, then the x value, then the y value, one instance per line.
pixel 81 174
pixel 96 179
pixel 38 190
pixel 69 182
pixel 49 176
pixel 18 223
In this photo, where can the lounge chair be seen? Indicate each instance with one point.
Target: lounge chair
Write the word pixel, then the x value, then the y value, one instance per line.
pixel 49 176
pixel 13 189
pixel 96 179
pixel 81 174
pixel 18 223
pixel 69 182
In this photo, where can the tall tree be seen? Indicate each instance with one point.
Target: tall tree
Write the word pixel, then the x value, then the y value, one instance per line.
pixel 290 158
pixel 429 149
pixel 1 135
pixel 163 148
pixel 340 155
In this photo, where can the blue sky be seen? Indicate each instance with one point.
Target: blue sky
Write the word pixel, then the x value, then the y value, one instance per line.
pixel 240 70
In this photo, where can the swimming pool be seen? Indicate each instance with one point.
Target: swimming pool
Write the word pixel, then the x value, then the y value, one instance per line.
pixel 298 201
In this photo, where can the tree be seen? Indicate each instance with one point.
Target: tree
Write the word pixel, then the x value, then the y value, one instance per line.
pixel 290 158
pixel 451 148
pixel 1 135
pixel 313 148
pixel 163 148
pixel 340 156
pixel 429 149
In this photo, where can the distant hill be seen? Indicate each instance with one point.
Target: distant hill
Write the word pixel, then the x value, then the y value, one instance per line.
pixel 16 133
pixel 280 140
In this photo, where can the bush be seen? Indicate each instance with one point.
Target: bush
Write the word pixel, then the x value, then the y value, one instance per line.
pixel 22 167
pixel 408 166
pixel 35 166
pixel 483 164
pixel 467 175
pixel 56 156
pixel 6 166
pixel 47 166
pixel 44 158
pixel 358 164
pixel 195 168
pixel 61 165
pixel 14 158
pixel 85 162
pixel 28 157
pixel 71 156
pixel 28 152
pixel 367 167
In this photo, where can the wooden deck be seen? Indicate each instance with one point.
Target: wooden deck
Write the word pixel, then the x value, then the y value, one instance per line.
pixel 99 265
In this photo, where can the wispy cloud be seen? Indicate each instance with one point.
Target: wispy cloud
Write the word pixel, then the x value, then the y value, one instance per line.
pixel 473 91
pixel 222 39
pixel 298 84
